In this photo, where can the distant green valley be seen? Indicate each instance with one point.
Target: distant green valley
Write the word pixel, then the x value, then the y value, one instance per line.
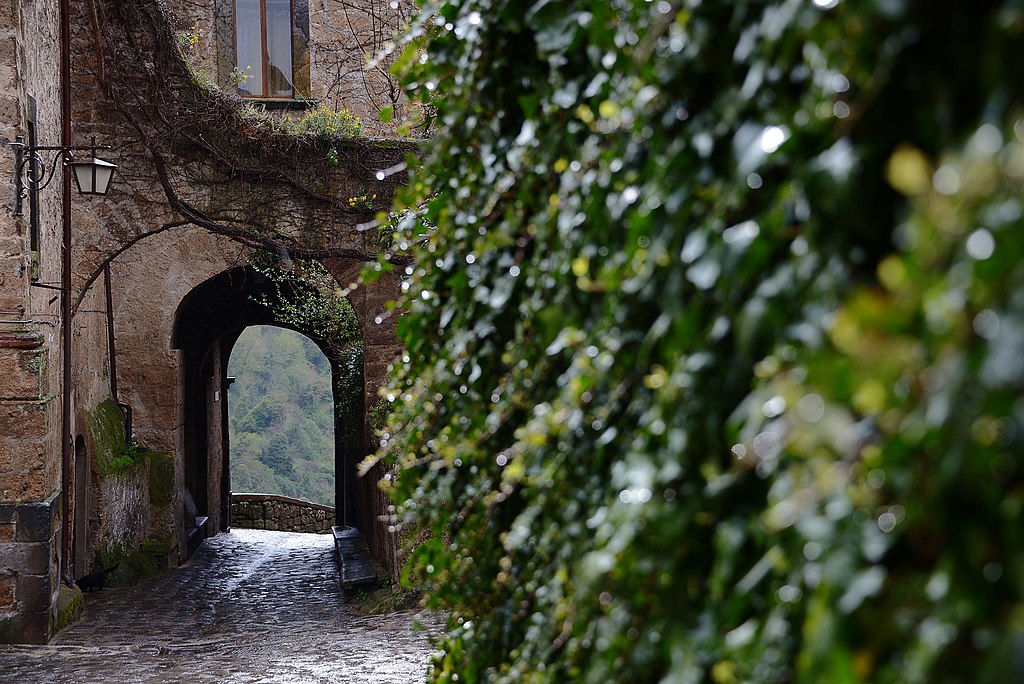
pixel 281 425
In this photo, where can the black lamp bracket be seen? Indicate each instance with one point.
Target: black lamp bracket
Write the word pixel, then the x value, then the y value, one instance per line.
pixel 30 169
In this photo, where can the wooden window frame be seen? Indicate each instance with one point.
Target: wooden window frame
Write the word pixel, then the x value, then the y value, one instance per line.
pixel 264 54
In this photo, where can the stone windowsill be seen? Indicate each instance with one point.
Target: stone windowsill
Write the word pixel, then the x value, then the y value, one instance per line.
pixel 288 104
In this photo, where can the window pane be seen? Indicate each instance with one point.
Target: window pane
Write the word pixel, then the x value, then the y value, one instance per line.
pixel 248 46
pixel 279 48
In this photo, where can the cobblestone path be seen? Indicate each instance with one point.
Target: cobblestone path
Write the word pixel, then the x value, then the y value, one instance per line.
pixel 249 606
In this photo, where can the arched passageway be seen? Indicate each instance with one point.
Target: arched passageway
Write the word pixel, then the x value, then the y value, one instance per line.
pixel 207 325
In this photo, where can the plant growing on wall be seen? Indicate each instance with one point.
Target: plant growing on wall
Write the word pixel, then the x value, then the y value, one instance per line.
pixel 708 373
pixel 220 164
pixel 114 453
pixel 354 52
pixel 307 298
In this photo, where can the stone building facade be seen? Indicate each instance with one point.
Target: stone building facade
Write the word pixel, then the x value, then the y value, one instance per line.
pixel 115 332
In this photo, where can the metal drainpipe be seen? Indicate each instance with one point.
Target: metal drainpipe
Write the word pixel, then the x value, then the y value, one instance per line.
pixel 110 331
pixel 126 408
pixel 65 277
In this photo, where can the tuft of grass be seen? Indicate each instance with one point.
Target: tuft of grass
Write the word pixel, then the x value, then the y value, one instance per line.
pixel 384 600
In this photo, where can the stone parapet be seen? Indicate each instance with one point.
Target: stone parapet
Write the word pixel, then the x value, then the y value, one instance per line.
pixel 282 513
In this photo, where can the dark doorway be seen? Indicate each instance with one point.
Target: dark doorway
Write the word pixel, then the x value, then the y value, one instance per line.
pixel 80 538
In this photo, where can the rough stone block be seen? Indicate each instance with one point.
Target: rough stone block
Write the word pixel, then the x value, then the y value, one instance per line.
pixel 30 557
pixel 6 532
pixel 20 374
pixel 33 592
pixel 7 16
pixel 25 628
pixel 30 483
pixel 10 109
pixel 26 419
pixel 35 522
pixel 8 583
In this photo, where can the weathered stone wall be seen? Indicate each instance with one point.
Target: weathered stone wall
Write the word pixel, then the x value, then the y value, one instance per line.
pixel 30 334
pixel 150 281
pixel 26 471
pixel 124 512
pixel 105 517
pixel 29 543
pixel 344 39
pixel 282 513
pixel 380 348
pixel 216 429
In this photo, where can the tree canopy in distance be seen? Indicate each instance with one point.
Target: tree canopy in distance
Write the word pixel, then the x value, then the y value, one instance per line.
pixel 281 422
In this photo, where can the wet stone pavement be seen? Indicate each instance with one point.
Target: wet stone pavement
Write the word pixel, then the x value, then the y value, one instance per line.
pixel 249 606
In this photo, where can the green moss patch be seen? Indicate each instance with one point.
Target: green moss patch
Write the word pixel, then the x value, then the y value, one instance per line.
pixel 383 600
pixel 161 478
pixel 69 608
pixel 106 427
pixel 147 560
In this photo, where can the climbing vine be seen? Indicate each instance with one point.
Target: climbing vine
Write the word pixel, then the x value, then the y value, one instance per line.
pixel 306 297
pixel 349 395
pixel 264 181
pixel 708 371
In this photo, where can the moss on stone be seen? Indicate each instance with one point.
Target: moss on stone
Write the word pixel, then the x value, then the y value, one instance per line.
pixel 383 600
pixel 106 427
pixel 149 558
pixel 69 608
pixel 161 478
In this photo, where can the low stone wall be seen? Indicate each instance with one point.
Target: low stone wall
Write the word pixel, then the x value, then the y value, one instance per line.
pixel 273 512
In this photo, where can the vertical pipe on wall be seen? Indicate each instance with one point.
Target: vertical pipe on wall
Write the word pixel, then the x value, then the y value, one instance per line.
pixel 112 357
pixel 126 409
pixel 65 276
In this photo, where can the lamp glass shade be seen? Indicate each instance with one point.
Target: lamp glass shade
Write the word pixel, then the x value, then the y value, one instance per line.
pixel 93 176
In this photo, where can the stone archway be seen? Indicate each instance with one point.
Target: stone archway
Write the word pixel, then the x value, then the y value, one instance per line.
pixel 208 322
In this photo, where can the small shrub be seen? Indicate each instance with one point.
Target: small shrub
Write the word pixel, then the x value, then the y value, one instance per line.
pixel 324 122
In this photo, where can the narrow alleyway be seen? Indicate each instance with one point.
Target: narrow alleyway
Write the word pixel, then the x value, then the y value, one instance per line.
pixel 250 606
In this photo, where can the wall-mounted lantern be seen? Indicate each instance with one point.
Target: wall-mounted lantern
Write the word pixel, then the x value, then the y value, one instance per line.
pixel 92 175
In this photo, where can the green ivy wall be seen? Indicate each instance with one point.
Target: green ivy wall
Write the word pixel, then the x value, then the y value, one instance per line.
pixel 714 341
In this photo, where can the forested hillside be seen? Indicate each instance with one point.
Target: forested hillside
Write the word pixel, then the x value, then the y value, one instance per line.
pixel 281 427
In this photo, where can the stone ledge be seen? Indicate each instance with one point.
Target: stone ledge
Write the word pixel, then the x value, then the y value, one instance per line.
pixel 33 522
pixel 282 513
pixel 21 339
pixel 249 496
pixel 355 566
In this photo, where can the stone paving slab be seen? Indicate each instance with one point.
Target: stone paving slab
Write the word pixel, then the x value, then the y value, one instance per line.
pixel 249 606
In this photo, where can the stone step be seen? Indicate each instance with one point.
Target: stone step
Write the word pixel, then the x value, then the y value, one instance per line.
pixel 355 565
